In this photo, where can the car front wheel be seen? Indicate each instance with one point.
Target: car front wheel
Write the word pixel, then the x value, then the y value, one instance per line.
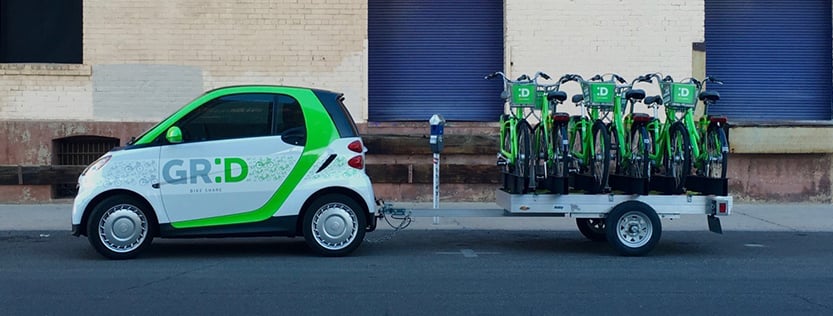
pixel 119 227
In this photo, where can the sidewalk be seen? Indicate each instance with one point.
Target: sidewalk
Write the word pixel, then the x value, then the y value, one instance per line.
pixel 803 217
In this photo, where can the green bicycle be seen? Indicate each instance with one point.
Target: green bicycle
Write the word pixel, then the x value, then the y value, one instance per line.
pixel 550 138
pixel 712 134
pixel 682 146
pixel 515 155
pixel 629 141
pixel 589 141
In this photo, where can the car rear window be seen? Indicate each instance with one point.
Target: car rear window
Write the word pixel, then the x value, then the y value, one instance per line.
pixel 338 113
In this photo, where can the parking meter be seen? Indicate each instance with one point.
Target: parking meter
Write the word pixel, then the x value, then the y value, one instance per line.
pixel 436 140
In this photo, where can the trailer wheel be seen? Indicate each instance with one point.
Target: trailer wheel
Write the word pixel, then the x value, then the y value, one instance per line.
pixel 592 228
pixel 633 228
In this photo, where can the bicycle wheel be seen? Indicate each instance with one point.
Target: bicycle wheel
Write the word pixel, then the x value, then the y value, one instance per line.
pixel 640 161
pixel 717 152
pixel 677 162
pixel 542 160
pixel 524 156
pixel 576 146
pixel 653 148
pixel 616 163
pixel 560 163
pixel 600 157
pixel 506 145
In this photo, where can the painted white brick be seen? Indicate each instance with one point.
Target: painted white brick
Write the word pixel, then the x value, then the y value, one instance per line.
pixel 590 37
pixel 323 43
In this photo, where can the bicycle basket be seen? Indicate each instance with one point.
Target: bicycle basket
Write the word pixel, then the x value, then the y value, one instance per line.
pixel 679 95
pixel 522 95
pixel 598 94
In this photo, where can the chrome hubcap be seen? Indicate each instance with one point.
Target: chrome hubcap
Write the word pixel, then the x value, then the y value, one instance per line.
pixel 123 228
pixel 335 226
pixel 634 229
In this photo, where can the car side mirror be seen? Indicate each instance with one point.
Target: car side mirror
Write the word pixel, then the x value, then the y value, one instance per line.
pixel 174 135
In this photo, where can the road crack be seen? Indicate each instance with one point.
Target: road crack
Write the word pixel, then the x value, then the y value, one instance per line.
pixel 170 277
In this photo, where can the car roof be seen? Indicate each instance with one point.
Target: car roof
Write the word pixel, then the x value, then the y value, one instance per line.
pixel 268 86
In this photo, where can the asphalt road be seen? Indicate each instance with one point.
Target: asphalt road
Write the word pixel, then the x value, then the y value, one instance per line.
pixel 419 272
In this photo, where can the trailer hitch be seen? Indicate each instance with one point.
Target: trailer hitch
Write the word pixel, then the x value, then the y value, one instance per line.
pixel 387 212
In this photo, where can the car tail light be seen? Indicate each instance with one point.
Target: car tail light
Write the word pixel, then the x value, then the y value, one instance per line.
pixel 356 146
pixel 356 162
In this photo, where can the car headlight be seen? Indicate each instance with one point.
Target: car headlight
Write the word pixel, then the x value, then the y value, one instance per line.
pixel 97 165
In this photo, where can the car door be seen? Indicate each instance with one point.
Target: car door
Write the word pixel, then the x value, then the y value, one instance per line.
pixel 232 159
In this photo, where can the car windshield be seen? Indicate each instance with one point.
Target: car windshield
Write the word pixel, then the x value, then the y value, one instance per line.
pixel 134 138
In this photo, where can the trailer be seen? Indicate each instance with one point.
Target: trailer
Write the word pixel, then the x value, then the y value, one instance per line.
pixel 630 223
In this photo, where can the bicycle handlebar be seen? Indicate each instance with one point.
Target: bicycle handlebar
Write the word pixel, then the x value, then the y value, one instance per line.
pixel 613 76
pixel 699 84
pixel 524 78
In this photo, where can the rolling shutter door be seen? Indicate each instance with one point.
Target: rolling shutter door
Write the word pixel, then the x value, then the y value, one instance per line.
pixel 430 56
pixel 774 57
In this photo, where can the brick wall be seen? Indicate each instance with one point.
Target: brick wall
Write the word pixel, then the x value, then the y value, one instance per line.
pixel 323 44
pixel 590 37
pixel 309 43
pixel 41 91
pixel 167 52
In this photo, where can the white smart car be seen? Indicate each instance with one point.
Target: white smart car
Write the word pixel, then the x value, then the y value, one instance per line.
pixel 236 161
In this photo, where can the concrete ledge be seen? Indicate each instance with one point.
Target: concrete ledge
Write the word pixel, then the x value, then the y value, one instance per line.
pixel 782 138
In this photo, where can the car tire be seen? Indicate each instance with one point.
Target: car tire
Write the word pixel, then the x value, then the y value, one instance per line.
pixel 120 227
pixel 334 225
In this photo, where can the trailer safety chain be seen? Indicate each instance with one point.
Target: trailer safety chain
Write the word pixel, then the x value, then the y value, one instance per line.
pixel 388 212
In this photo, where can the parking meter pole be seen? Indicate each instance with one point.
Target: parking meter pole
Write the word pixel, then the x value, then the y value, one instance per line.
pixel 436 186
pixel 436 141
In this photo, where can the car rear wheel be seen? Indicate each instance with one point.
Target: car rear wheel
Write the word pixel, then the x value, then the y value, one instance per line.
pixel 334 225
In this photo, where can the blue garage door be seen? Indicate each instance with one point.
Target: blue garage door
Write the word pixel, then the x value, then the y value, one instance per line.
pixel 430 56
pixel 774 57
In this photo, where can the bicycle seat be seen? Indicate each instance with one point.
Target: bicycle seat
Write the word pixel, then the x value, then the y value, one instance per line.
pixel 559 96
pixel 635 94
pixel 710 95
pixel 654 99
pixel 578 98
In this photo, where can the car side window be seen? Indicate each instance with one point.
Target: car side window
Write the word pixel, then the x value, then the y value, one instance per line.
pixel 229 117
pixel 290 120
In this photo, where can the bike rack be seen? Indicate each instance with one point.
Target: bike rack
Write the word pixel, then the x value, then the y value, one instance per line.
pixel 628 184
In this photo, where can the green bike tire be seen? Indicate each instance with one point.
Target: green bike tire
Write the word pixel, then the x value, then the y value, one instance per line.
pixel 542 159
pixel 677 161
pixel 600 157
pixel 717 152
pixel 616 164
pixel 524 155
pixel 560 149
pixel 640 160
pixel 576 145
